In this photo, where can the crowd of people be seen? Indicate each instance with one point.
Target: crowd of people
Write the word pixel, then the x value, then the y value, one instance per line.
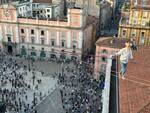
pixel 17 92
pixel 80 92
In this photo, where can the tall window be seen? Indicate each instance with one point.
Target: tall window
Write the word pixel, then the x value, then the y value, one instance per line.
pixel 48 10
pixel 74 45
pixel 145 14
pixel 124 33
pixel 42 32
pixel 103 59
pixel 42 41
pixel 104 51
pixel 135 21
pixel 136 14
pixel 42 49
pixel 48 16
pixel 52 42
pixel 9 39
pixel 133 33
pixel 33 48
pixel 142 38
pixel 63 43
pixel 22 30
pixel 32 31
pixel 32 40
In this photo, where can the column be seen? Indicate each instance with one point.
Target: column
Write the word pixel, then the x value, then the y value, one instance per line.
pixel 58 38
pixel 1 35
pixel 37 36
pixel 17 34
pixel 69 39
pixel 80 39
pixel 47 38
pixel 27 35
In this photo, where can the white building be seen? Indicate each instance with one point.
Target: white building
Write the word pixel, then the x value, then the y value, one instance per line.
pixel 41 8
pixel 33 8
pixel 102 9
pixel 55 10
pixel 71 37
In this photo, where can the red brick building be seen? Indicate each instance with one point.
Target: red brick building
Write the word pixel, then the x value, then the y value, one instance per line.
pixel 106 46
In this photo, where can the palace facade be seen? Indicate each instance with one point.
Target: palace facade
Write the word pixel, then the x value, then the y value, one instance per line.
pixel 70 37
pixel 137 24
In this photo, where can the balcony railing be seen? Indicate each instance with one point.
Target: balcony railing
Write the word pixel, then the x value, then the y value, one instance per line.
pixel 125 22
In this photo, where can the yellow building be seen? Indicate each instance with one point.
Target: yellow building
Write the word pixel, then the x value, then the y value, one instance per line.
pixel 137 24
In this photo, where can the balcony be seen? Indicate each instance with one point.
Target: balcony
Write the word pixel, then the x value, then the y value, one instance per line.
pixel 126 7
pixel 124 21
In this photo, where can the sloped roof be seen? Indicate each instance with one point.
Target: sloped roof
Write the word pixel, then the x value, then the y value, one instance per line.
pixel 111 42
pixel 134 91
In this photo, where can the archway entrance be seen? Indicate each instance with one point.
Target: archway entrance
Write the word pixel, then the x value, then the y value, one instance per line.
pixel 9 49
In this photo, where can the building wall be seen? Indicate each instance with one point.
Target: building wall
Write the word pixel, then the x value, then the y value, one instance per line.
pixel 102 53
pixel 30 9
pixel 137 27
pixel 92 7
pixel 29 33
pixel 25 9
pixel 88 40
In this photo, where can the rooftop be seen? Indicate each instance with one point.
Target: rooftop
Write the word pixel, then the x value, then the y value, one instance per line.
pixel 91 20
pixel 111 42
pixel 134 92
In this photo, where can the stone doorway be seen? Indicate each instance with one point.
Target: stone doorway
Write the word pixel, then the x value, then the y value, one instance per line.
pixel 10 49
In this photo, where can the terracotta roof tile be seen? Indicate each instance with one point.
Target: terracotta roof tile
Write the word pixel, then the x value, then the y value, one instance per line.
pixel 111 42
pixel 133 95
